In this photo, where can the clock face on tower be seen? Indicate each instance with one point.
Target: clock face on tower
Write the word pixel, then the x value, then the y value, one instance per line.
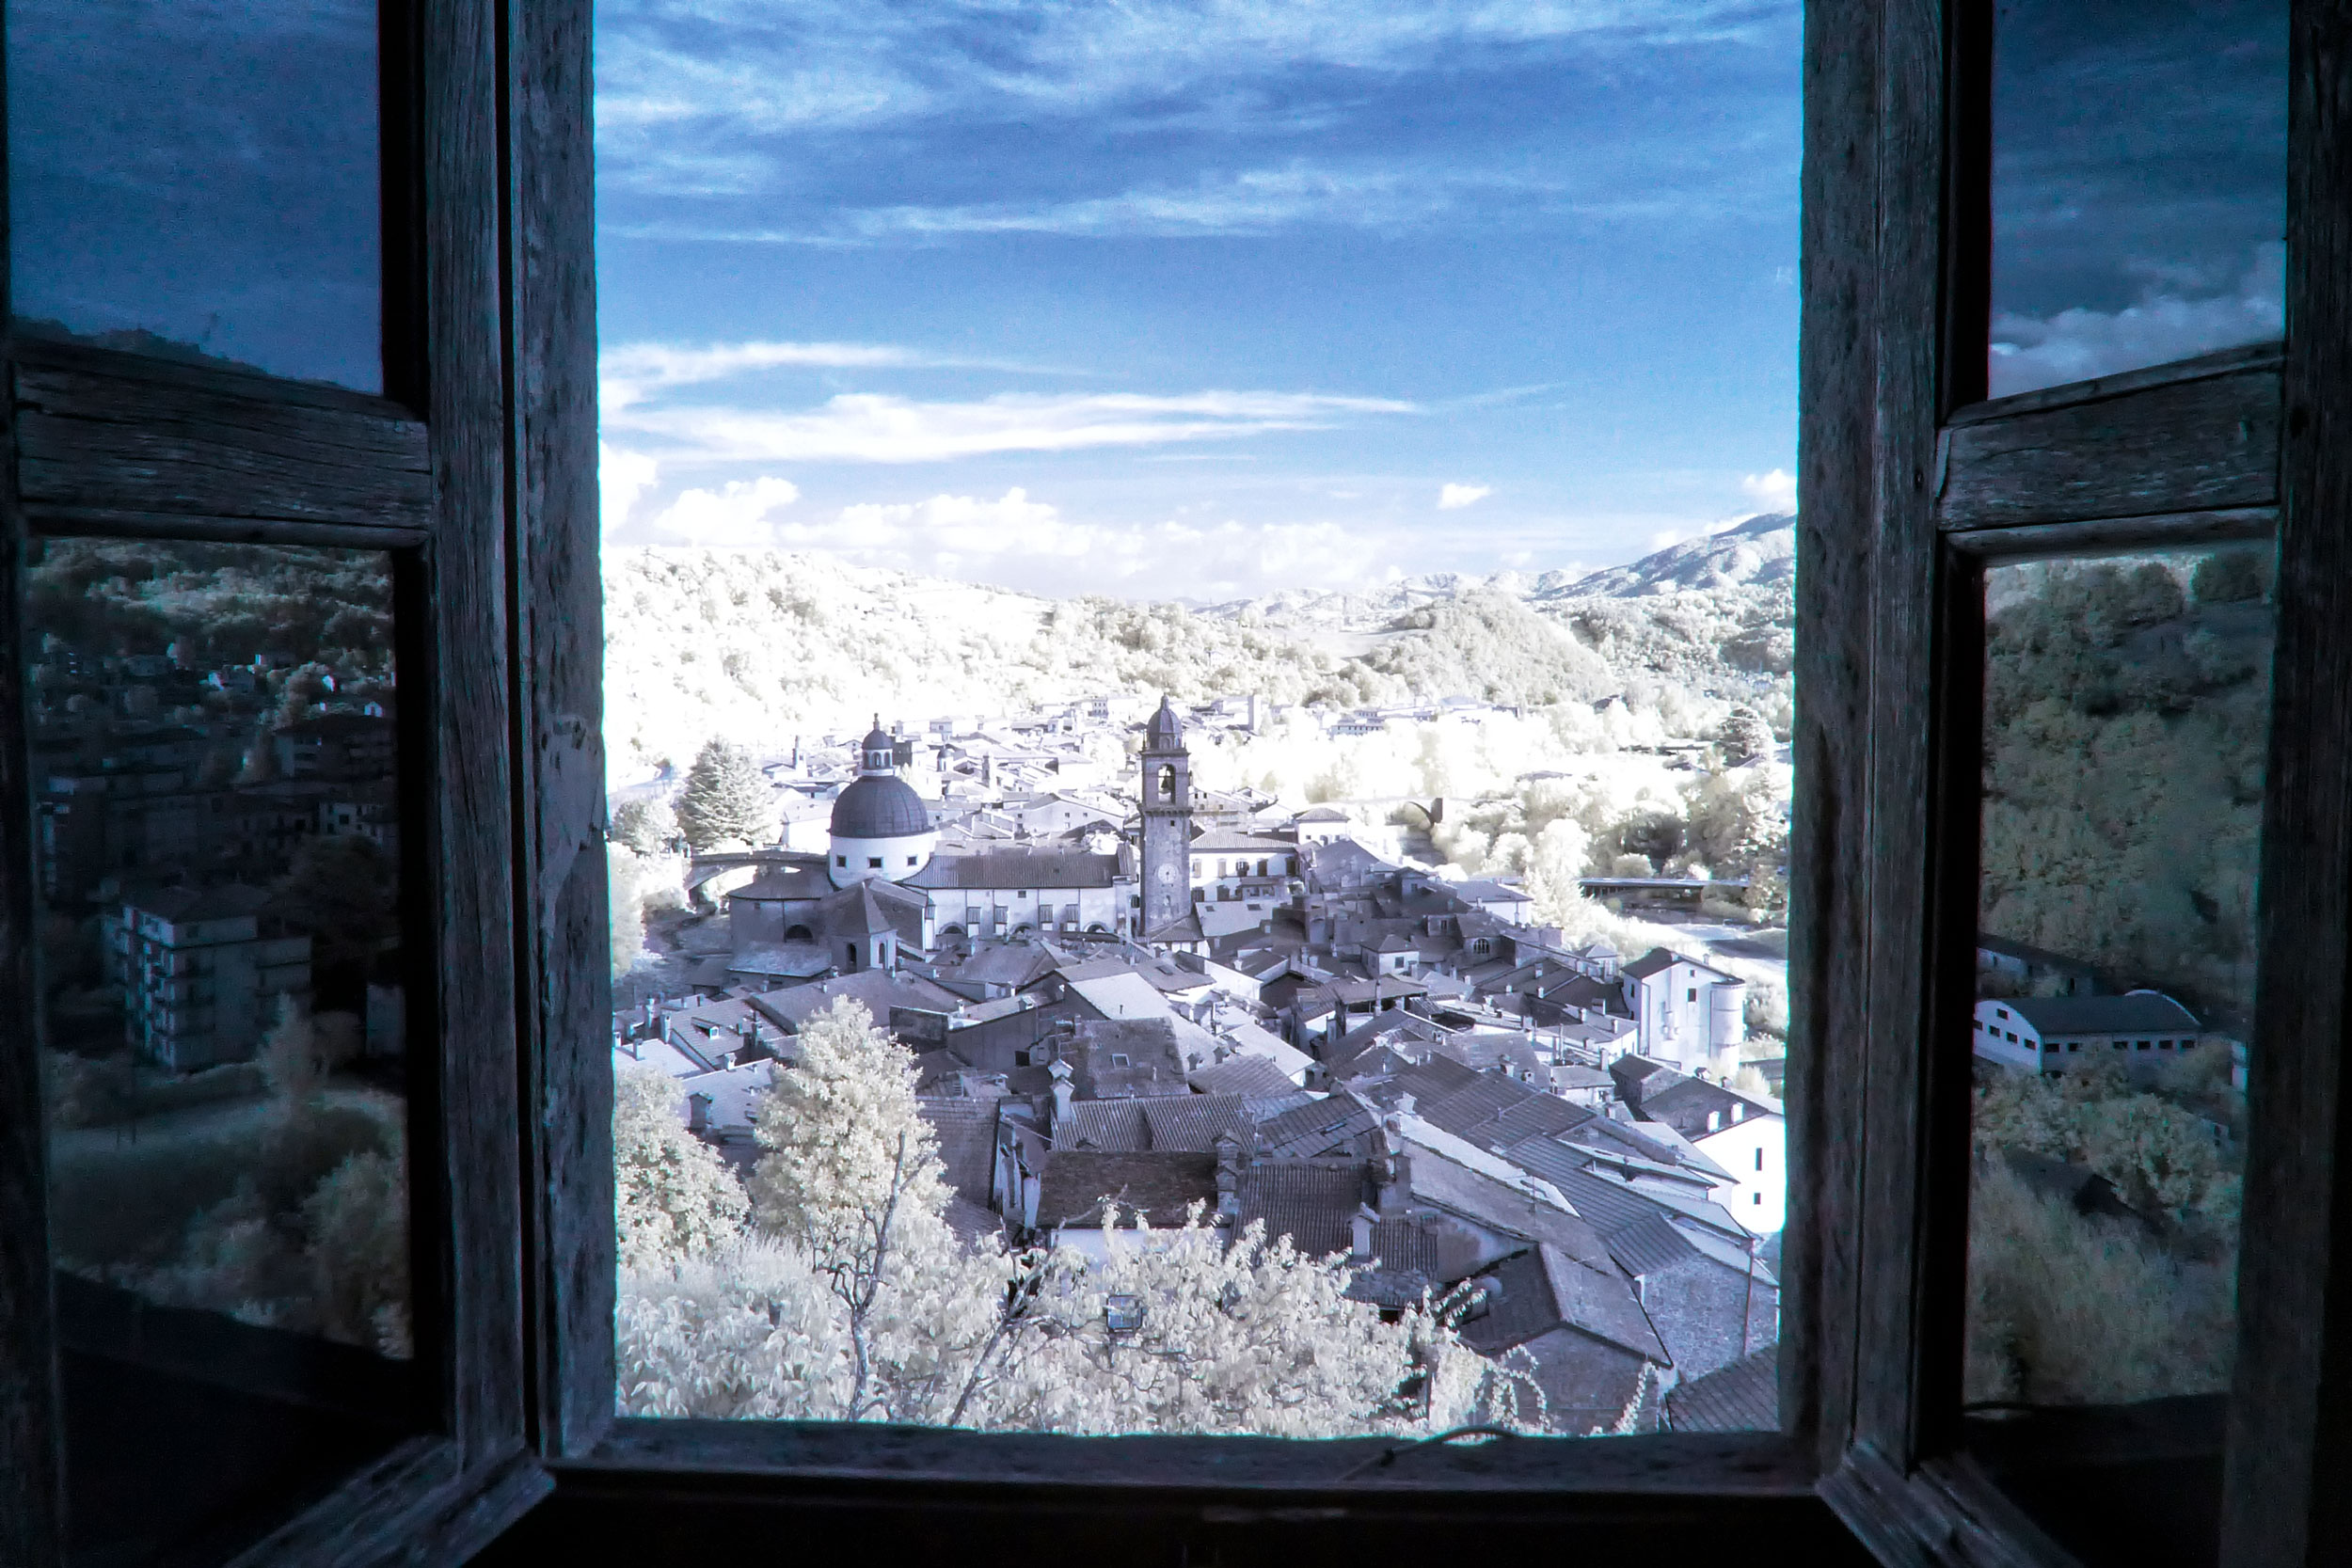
pixel 1167 875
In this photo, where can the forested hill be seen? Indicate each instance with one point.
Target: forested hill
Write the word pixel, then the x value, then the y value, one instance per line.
pixel 762 645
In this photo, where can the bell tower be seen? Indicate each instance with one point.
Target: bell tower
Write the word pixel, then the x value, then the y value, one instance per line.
pixel 1167 822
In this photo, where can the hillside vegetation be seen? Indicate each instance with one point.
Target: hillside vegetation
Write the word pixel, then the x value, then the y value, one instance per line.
pixel 760 647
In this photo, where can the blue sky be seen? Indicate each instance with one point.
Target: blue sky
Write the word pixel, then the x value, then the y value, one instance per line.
pixel 1196 299
pixel 1165 297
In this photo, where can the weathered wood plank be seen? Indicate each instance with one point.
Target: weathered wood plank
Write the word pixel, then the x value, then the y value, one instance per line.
pixel 2188 442
pixel 2290 1430
pixel 470 683
pixel 558 622
pixel 91 522
pixel 2173 531
pixel 31 1428
pixel 1897 826
pixel 417 1504
pixel 128 437
pixel 1829 891
pixel 1945 1514
pixel 1742 1463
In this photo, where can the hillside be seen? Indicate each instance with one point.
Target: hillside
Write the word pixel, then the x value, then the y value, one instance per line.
pixel 764 645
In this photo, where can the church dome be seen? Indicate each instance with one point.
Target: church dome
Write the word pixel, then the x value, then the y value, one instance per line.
pixel 880 805
pixel 1166 732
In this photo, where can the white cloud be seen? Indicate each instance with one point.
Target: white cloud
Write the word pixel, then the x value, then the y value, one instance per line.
pixel 874 428
pixel 756 68
pixel 1018 542
pixel 1775 491
pixel 622 476
pixel 631 372
pixel 1453 498
pixel 735 515
pixel 2075 345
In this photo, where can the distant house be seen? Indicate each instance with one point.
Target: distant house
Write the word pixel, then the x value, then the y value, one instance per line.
pixel 1746 1137
pixel 2139 1031
pixel 1687 1012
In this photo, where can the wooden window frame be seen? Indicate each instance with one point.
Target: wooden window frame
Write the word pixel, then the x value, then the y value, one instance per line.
pixel 1912 481
pixel 476 469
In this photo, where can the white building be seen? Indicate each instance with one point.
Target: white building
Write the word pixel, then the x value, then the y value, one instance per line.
pixel 1745 1136
pixel 1012 892
pixel 2139 1031
pixel 880 829
pixel 1687 1013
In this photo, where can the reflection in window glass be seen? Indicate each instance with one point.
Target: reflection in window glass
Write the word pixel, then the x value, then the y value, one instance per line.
pixel 222 1025
pixel 2139 184
pixel 2126 722
pixel 199 178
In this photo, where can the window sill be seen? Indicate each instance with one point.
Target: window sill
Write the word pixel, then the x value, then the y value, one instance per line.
pixel 1748 1465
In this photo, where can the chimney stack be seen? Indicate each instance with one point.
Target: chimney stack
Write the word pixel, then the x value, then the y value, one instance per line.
pixel 1228 1179
pixel 1359 1233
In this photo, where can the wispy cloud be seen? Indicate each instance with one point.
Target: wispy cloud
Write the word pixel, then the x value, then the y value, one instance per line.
pixel 1386 197
pixel 760 68
pixel 1453 498
pixel 867 427
pixel 632 372
pixel 1019 541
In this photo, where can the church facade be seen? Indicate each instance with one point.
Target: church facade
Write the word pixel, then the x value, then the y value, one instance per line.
pixel 879 886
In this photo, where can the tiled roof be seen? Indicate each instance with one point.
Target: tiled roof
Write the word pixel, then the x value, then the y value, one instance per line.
pixel 1226 839
pixel 1194 1121
pixel 1537 1115
pixel 879 990
pixel 2104 1015
pixel 1254 1076
pixel 1685 1106
pixel 1313 1202
pixel 1473 1103
pixel 966 1130
pixel 1651 1245
pixel 1542 1288
pixel 1013 964
pixel 1487 1201
pixel 1328 1126
pixel 1104 1125
pixel 1433 1080
pixel 1010 868
pixel 1742 1397
pixel 1161 1184
pixel 1656 961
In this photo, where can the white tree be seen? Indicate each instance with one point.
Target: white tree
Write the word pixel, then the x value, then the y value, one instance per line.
pixel 854 1300
pixel 1186 1330
pixel 674 1196
pixel 853 1177
pixel 646 824
pixel 1744 735
pixel 725 798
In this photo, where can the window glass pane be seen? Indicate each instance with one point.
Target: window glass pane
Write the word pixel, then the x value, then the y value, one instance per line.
pixel 2126 726
pixel 2139 184
pixel 199 179
pixel 223 1028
